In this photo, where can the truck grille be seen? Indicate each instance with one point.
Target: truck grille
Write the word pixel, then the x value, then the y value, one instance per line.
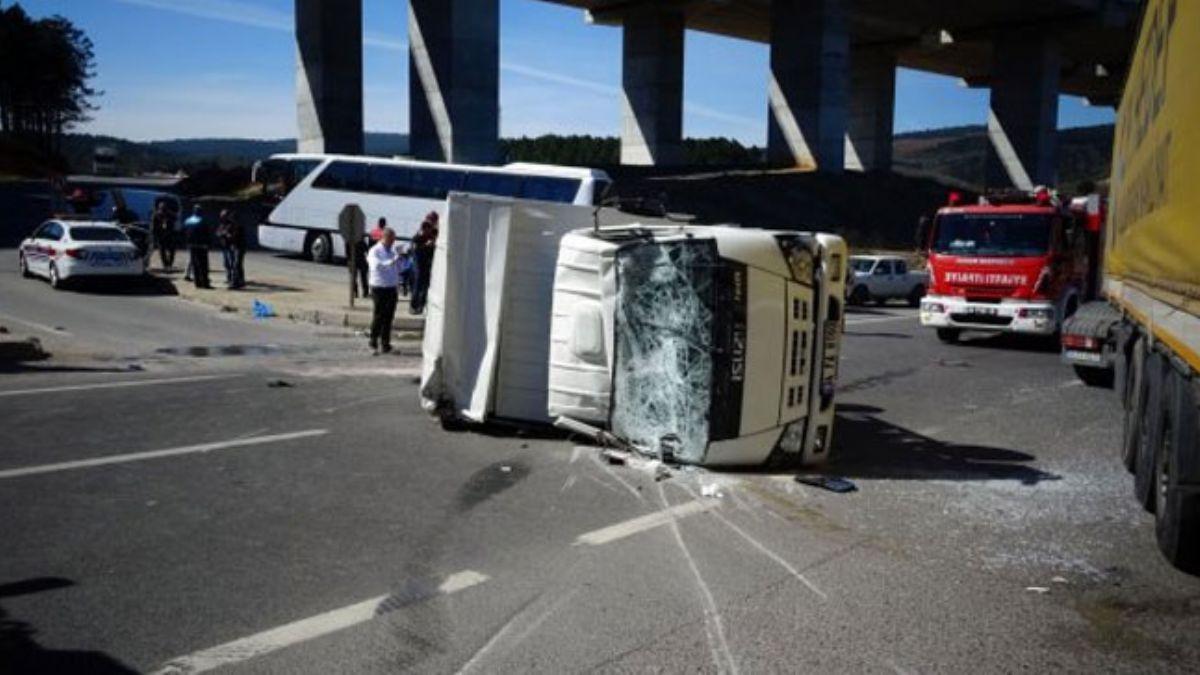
pixel 982 319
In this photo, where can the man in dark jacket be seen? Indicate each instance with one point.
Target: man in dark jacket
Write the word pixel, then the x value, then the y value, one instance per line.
pixel 423 246
pixel 162 226
pixel 198 241
pixel 232 236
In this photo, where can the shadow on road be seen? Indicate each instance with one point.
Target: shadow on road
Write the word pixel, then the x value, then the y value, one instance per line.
pixel 1011 342
pixel 869 334
pixel 868 447
pixel 142 286
pixel 20 653
pixel 8 367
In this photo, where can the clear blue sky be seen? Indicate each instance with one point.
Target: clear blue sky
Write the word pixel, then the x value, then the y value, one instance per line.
pixel 204 68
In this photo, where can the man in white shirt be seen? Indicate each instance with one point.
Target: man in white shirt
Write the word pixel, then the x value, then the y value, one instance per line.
pixel 383 264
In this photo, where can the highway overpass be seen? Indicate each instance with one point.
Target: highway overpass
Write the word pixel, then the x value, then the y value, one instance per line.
pixel 831 82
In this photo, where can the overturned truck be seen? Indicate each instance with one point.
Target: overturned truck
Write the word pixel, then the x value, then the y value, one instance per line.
pixel 719 342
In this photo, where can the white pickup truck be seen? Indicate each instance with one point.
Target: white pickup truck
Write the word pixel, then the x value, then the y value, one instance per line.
pixel 882 278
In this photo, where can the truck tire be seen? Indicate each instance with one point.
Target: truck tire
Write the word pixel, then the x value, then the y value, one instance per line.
pixel 1151 426
pixel 914 297
pixel 860 295
pixel 1133 401
pixel 1094 377
pixel 948 335
pixel 1177 510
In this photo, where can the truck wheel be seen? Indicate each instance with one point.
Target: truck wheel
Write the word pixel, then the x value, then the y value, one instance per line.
pixel 1133 402
pixel 860 295
pixel 1177 512
pixel 948 335
pixel 1150 430
pixel 319 247
pixel 1095 377
pixel 914 298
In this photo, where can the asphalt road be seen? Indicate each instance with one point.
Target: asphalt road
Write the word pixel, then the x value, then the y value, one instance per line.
pixel 166 507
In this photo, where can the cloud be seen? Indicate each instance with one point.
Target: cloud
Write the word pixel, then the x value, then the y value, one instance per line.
pixel 257 16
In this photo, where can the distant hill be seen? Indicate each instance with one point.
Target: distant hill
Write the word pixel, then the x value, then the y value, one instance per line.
pixel 173 155
pixel 956 155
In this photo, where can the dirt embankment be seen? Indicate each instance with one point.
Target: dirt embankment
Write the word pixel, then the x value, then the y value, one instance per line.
pixel 871 210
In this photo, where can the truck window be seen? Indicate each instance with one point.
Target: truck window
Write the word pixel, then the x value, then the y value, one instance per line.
pixel 883 268
pixel 992 234
pixel 900 266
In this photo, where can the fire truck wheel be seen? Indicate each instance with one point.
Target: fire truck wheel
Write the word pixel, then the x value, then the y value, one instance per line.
pixel 1177 511
pixel 1150 430
pixel 860 295
pixel 1133 400
pixel 948 335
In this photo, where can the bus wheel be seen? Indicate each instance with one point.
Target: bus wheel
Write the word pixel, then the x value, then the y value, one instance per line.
pixel 319 247
pixel 1133 400
pixel 1176 509
pixel 1150 430
pixel 948 335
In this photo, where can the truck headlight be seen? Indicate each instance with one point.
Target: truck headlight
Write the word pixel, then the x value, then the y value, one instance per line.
pixel 1035 313
pixel 793 437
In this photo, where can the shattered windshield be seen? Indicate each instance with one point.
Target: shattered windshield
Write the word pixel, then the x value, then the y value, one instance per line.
pixel 991 234
pixel 664 344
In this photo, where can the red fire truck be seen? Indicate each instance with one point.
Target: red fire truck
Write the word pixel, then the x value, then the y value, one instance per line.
pixel 1016 262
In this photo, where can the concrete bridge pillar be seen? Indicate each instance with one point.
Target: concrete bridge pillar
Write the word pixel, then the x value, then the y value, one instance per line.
pixel 454 80
pixel 329 76
pixel 652 87
pixel 807 95
pixel 871 110
pixel 1023 115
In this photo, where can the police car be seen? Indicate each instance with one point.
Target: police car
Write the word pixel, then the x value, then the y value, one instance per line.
pixel 60 250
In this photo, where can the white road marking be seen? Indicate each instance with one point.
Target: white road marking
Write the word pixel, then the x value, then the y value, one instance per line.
pixel 714 627
pixel 158 454
pixel 765 551
pixel 462 580
pixel 114 385
pixel 517 619
pixel 606 535
pixel 879 319
pixel 567 483
pixel 35 325
pixel 298 631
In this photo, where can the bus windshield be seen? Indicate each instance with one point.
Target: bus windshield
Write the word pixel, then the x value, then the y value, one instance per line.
pixel 991 234
pixel 279 176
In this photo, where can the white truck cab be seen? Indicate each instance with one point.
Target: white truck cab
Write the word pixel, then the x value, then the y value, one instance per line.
pixel 720 341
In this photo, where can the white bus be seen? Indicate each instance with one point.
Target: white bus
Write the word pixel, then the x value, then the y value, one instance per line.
pixel 313 189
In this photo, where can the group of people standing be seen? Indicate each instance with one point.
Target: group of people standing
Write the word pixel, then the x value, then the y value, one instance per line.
pixel 230 235
pixel 386 268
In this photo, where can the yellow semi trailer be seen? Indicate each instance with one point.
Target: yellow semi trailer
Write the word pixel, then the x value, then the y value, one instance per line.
pixel 1148 328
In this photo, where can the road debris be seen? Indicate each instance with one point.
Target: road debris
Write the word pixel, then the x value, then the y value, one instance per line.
pixel 280 384
pixel 614 457
pixel 505 469
pixel 661 472
pixel 262 310
pixel 711 490
pixel 1058 580
pixel 1040 590
pixel 831 483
